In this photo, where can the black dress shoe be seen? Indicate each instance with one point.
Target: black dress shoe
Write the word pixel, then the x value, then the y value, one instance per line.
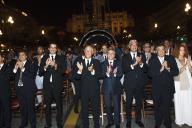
pixel 47 126
pixel 140 124
pixel 117 126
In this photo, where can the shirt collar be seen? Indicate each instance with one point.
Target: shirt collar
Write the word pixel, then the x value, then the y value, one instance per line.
pixel 50 55
pixel 110 61
pixel 88 59
pixel 24 62
pixel 1 65
pixel 133 53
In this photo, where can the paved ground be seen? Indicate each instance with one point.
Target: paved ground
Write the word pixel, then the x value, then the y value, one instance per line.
pixel 148 122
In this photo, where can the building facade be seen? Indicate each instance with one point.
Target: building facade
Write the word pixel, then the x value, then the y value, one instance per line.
pixel 97 15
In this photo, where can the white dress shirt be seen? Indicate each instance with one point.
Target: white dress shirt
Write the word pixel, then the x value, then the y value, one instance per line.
pixel 1 65
pixel 50 56
pixel 110 63
pixel 161 59
pixel 134 54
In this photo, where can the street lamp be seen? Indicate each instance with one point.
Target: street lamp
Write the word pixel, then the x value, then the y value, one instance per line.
pixel 1 33
pixel 187 7
pixel 129 35
pixel 24 13
pixel 43 32
pixel 178 27
pixel 155 25
pixel 75 38
pixel 10 20
pixel 124 31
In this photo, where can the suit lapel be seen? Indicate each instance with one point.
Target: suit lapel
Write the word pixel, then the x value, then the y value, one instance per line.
pixel 114 64
pixel 158 61
pixel 2 69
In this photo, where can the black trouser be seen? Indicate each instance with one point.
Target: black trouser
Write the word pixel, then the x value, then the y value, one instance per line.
pixel 5 112
pixel 77 95
pixel 27 107
pixel 49 96
pixel 94 99
pixel 162 103
pixel 116 104
pixel 137 94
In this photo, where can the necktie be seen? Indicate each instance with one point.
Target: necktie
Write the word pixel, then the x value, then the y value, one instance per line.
pixel 134 60
pixel 51 77
pixel 110 66
pixel 20 82
pixel 87 63
pixel 105 57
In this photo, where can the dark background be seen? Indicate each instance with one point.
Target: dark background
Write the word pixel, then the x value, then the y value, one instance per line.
pixel 56 12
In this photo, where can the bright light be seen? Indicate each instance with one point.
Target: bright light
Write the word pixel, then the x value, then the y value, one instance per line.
pixel 43 32
pixel 156 25
pixel 186 10
pixel 24 14
pixel 2 1
pixel 178 27
pixel 129 35
pixel 124 31
pixel 10 20
pixel 1 33
pixel 75 38
pixel 2 45
pixel 187 7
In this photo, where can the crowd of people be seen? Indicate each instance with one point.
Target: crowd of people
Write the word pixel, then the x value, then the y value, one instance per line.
pixel 92 70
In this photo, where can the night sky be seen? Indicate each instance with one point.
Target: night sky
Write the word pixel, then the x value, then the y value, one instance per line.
pixel 54 12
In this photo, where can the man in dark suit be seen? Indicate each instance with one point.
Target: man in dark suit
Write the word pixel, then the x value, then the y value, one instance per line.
pixel 162 69
pixel 5 93
pixel 147 54
pixel 112 87
pixel 52 68
pixel 25 89
pixel 89 71
pixel 168 47
pixel 134 68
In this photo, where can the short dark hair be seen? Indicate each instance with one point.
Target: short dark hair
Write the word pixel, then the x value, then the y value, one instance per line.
pixel 22 50
pixel 50 43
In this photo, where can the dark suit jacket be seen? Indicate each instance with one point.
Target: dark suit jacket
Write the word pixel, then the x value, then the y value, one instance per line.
pixel 145 58
pixel 57 75
pixel 74 75
pixel 112 84
pixel 134 78
pixel 89 83
pixel 28 79
pixel 5 75
pixel 163 81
